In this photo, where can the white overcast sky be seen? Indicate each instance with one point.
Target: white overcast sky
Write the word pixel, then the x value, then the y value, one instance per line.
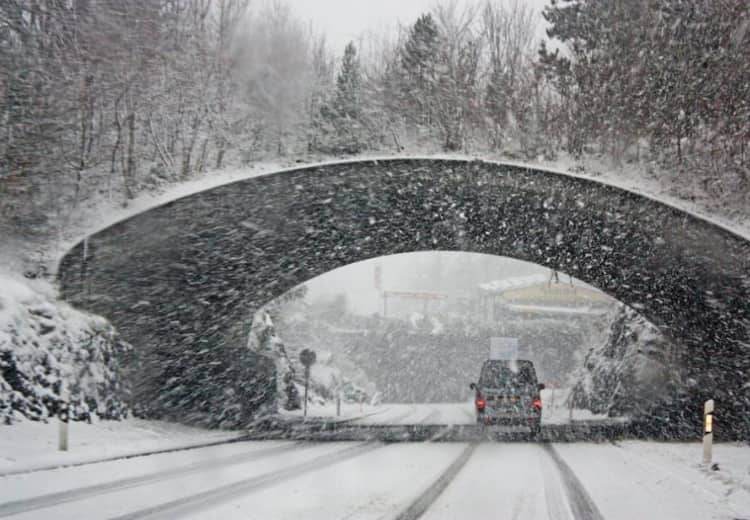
pixel 345 20
pixel 412 272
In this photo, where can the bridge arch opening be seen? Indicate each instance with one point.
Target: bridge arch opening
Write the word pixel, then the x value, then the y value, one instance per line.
pixel 408 332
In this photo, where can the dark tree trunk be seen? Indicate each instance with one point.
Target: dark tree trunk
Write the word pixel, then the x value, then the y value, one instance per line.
pixel 129 173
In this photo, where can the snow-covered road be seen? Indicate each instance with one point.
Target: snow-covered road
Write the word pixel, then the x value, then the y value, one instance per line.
pixel 441 413
pixel 338 480
pixel 554 412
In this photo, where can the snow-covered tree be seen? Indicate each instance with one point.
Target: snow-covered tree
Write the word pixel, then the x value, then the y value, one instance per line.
pixel 47 347
pixel 264 341
pixel 632 370
pixel 418 71
pixel 343 128
pixel 508 31
pixel 273 58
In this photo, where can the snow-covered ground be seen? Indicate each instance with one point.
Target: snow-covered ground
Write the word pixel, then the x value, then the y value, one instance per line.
pixel 328 411
pixel 392 413
pixel 343 480
pixel 556 411
pixel 662 480
pixel 30 445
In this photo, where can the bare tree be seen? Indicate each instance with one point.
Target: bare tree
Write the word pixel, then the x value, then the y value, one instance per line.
pixel 274 58
pixel 457 101
pixel 508 29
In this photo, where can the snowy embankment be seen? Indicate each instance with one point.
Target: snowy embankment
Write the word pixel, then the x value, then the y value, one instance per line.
pixel 668 477
pixel 47 347
pixel 31 445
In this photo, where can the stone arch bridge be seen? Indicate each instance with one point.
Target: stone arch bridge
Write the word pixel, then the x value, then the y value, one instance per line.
pixel 182 280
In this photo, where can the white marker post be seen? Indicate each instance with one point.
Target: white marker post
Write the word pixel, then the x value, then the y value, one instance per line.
pixel 64 415
pixel 708 431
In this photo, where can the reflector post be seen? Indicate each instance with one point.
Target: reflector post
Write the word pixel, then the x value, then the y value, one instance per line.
pixel 708 431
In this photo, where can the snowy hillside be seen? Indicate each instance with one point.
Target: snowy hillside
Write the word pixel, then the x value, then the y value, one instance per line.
pixel 45 344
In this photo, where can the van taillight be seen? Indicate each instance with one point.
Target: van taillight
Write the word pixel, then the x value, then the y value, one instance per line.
pixel 480 404
pixel 537 403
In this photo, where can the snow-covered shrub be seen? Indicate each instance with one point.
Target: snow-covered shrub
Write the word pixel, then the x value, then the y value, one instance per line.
pixel 264 341
pixel 630 371
pixel 46 345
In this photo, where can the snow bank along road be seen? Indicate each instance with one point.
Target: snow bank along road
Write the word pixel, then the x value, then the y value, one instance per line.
pixel 347 480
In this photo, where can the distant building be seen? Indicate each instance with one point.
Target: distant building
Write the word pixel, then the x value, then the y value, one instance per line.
pixel 539 296
pixel 405 302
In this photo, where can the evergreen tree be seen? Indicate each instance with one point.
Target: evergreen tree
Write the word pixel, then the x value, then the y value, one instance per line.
pixel 349 86
pixel 604 73
pixel 419 70
pixel 264 341
pixel 343 123
pixel 497 103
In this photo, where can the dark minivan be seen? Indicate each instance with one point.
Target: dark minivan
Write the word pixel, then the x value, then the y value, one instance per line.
pixel 508 393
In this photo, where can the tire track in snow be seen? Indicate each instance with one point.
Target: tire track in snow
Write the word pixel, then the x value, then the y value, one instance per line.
pixel 423 502
pixel 581 505
pixel 554 489
pixel 201 501
pixel 72 495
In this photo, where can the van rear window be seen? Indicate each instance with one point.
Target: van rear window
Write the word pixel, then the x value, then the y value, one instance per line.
pixel 501 374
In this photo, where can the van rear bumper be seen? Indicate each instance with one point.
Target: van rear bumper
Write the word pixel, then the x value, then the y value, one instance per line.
pixel 532 419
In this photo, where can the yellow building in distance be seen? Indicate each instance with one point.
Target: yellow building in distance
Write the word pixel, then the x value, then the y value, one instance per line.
pixel 540 296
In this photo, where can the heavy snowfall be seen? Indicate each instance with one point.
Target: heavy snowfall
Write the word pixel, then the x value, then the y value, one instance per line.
pixel 348 259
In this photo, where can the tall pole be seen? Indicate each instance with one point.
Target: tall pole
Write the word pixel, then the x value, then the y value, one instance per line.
pixel 307 383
